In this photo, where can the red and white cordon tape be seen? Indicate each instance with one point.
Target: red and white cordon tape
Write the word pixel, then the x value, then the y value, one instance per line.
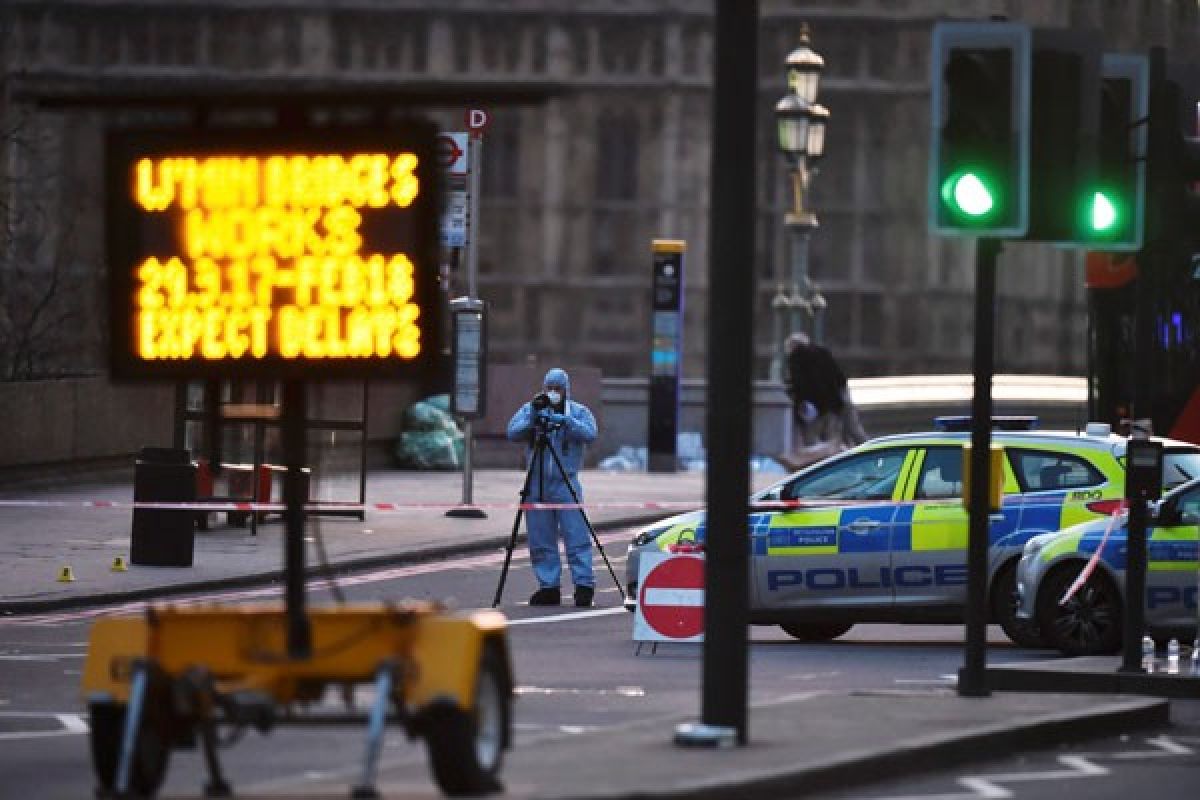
pixel 1090 567
pixel 227 505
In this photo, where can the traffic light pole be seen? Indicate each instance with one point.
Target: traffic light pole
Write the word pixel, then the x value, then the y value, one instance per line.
pixel 971 678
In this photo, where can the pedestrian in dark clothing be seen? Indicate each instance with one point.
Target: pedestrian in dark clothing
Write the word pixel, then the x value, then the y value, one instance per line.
pixel 821 407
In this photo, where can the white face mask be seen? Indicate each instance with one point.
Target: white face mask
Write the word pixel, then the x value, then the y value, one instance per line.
pixel 555 397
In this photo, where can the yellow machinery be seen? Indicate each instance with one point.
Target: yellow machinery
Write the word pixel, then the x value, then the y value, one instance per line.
pixel 176 675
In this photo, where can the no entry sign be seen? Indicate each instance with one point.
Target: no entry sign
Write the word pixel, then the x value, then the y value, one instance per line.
pixel 670 604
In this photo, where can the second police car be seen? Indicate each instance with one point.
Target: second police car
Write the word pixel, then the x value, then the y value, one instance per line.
pixel 879 533
pixel 1092 618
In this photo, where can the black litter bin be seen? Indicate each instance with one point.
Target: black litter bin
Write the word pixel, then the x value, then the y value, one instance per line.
pixel 163 537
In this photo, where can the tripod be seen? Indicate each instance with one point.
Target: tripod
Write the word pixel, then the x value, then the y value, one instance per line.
pixel 541 445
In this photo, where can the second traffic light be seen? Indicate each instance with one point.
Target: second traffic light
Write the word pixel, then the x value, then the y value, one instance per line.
pixel 1116 199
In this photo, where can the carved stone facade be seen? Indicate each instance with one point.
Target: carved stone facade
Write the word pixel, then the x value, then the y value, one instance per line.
pixel 576 188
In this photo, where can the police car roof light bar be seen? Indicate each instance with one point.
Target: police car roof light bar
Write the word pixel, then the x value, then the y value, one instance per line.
pixel 1002 423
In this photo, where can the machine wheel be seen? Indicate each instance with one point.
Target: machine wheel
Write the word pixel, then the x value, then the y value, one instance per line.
pixel 815 631
pixel 1023 632
pixel 150 754
pixel 1090 624
pixel 467 748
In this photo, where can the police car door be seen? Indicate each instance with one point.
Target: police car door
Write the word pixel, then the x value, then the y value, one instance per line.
pixel 929 550
pixel 836 551
pixel 1171 555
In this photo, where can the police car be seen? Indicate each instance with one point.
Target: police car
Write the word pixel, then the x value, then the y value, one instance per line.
pixel 879 533
pixel 1091 621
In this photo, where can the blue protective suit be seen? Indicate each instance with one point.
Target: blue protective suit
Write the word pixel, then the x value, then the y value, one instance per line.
pixel 546 485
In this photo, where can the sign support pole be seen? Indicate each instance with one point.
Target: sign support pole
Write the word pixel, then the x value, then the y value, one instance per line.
pixel 299 636
pixel 475 165
pixel 971 678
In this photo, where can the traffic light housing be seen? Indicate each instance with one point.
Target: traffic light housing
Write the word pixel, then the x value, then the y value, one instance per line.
pixel 979 154
pixel 1116 200
pixel 1064 132
pixel 1174 164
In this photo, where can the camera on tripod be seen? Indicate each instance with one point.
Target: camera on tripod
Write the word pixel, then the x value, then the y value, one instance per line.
pixel 541 403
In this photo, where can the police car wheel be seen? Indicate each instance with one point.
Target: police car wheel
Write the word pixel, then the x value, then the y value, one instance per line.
pixel 1023 632
pixel 815 631
pixel 1090 623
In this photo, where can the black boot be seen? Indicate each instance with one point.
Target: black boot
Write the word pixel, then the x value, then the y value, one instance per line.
pixel 546 596
pixel 583 596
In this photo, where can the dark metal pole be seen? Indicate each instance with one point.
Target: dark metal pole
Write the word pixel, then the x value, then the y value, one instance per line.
pixel 1135 588
pixel 299 639
pixel 732 276
pixel 971 680
pixel 1151 257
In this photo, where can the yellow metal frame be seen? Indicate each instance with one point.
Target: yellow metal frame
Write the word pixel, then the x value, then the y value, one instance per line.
pixel 245 648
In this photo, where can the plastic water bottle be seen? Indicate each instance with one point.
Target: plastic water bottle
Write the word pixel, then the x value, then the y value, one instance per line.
pixel 1147 654
pixel 1196 657
pixel 1173 657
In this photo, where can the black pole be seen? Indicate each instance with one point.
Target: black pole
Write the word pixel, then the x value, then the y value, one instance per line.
pixel 1153 256
pixel 1135 587
pixel 299 639
pixel 971 681
pixel 732 276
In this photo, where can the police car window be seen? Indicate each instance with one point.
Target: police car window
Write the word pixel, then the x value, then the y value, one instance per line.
pixel 1044 470
pixel 1180 466
pixel 941 473
pixel 866 476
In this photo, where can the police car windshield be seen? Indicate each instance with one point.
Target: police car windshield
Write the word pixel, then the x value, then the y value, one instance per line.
pixel 1180 466
pixel 868 476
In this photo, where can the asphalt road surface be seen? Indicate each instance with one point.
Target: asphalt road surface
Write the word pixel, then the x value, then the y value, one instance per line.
pixel 1154 765
pixel 576 671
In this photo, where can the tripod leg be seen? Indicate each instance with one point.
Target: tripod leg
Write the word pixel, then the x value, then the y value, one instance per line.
pixel 575 498
pixel 512 543
pixel 535 462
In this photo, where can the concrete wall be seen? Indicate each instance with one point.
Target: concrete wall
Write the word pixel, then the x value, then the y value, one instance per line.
pixel 81 419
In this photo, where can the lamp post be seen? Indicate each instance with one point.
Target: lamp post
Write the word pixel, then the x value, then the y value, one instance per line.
pixel 800 122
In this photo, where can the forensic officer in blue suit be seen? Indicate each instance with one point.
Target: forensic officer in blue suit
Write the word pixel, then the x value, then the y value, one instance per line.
pixel 568 426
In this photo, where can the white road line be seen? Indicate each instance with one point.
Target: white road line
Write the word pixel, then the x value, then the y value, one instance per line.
pixel 72 724
pixel 1166 747
pixel 1079 765
pixel 599 612
pixel 41 656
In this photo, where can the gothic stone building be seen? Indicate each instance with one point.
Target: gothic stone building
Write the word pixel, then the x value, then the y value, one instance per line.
pixel 576 188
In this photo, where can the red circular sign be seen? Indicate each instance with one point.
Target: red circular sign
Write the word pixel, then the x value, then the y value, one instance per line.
pixel 671 598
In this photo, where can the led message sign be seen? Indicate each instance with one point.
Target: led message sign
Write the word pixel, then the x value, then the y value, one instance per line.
pixel 265 254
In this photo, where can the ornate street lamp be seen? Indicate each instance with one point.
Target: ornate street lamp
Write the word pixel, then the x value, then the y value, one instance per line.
pixel 800 124
pixel 804 68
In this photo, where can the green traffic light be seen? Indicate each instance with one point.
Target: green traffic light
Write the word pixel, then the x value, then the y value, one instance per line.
pixel 967 193
pixel 1104 213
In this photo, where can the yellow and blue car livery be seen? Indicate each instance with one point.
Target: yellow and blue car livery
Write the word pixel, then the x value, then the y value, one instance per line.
pixel 879 533
pixel 1091 621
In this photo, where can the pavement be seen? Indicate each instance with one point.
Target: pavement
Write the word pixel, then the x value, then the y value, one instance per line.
pixel 797 744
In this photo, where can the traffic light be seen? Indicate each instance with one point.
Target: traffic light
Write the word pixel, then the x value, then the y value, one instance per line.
pixel 1174 164
pixel 979 153
pixel 1115 202
pixel 1064 131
